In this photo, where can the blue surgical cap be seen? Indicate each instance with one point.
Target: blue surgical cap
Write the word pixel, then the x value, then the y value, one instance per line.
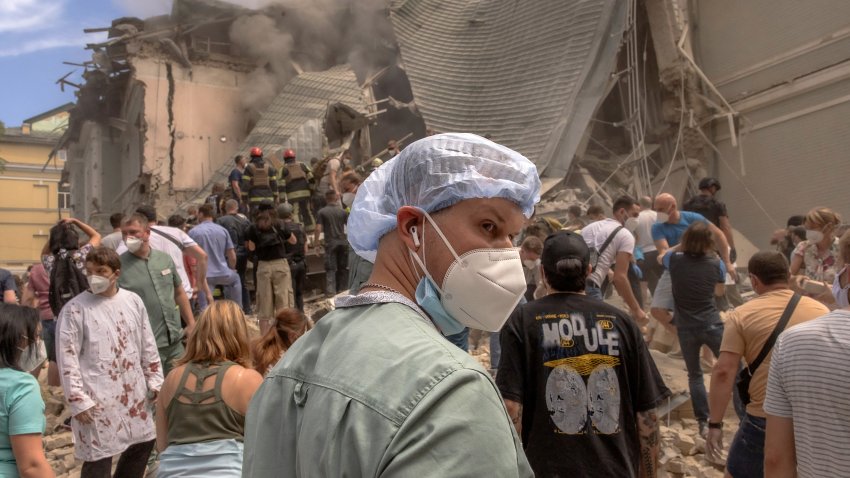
pixel 434 173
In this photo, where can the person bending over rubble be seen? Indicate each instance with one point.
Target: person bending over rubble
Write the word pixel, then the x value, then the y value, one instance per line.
pixel 375 389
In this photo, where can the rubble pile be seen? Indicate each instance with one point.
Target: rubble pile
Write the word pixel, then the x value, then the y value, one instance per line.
pixel 683 451
pixel 58 442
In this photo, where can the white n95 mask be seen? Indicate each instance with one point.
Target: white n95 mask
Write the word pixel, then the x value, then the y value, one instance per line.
pixel 99 284
pixel 482 287
pixel 33 356
pixel 133 243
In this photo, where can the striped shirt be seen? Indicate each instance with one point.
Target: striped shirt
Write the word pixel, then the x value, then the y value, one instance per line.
pixel 809 382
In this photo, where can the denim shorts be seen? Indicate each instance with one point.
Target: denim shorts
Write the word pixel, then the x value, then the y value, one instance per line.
pixel 746 455
pixel 663 296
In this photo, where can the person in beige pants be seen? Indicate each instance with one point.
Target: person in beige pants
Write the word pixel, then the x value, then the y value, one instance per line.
pixel 266 238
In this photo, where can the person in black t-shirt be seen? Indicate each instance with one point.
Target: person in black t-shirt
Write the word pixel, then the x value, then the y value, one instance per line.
pixel 331 220
pixel 707 204
pixel 237 225
pixel 697 276
pixel 577 378
pixel 266 238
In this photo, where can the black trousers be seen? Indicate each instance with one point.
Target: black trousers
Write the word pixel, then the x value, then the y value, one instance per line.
pixel 298 269
pixel 241 268
pixel 336 267
pixel 131 464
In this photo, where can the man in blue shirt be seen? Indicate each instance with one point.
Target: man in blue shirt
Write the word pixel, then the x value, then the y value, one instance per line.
pixel 8 287
pixel 221 265
pixel 235 178
pixel 667 232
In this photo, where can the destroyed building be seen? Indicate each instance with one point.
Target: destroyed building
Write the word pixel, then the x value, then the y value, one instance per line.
pixel 606 97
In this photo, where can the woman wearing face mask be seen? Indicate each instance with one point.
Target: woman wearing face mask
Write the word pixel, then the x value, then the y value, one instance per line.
pixel 33 357
pixel 814 262
pixel 110 371
pixel 21 407
pixel 841 284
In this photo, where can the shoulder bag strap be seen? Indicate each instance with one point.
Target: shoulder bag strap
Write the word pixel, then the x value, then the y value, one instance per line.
pixel 169 237
pixel 606 244
pixel 780 326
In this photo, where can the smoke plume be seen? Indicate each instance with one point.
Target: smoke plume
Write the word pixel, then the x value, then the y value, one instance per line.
pixel 312 34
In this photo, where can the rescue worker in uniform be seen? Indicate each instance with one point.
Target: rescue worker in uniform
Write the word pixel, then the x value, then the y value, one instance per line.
pixel 259 181
pixel 296 181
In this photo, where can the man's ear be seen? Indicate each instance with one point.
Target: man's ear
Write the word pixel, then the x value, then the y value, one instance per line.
pixel 589 271
pixel 410 218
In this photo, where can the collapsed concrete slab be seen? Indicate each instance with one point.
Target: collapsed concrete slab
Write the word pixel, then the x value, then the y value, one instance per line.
pixel 529 75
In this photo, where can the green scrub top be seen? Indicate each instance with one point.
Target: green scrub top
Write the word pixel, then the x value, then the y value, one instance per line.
pixel 155 279
pixel 375 390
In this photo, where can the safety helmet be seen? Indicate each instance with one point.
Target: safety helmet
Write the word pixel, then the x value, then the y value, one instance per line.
pixel 256 152
pixel 289 153
pixel 284 210
pixel 706 183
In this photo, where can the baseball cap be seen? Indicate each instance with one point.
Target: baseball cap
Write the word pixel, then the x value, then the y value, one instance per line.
pixel 563 245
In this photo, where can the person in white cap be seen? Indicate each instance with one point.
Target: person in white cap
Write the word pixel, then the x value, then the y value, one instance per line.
pixel 375 389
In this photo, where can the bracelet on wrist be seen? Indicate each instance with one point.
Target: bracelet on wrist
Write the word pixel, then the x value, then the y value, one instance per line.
pixel 716 425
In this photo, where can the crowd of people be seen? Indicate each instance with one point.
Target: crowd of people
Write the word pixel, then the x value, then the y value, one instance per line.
pixel 146 329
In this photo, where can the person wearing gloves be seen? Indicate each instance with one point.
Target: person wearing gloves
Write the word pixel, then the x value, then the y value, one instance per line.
pixel 375 389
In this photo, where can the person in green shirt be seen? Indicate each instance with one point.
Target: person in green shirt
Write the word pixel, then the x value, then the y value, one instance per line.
pixel 375 389
pixel 153 276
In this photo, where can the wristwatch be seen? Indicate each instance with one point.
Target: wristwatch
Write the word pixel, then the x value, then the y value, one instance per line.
pixel 715 425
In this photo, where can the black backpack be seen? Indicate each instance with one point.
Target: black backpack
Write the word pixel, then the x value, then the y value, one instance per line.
pixel 66 282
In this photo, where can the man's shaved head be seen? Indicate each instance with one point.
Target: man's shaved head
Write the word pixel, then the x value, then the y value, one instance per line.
pixel 664 201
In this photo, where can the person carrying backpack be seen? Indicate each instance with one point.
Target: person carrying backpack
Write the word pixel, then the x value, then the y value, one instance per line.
pixel 66 262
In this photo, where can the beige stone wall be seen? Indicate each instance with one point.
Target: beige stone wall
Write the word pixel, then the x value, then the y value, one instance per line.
pixel 206 107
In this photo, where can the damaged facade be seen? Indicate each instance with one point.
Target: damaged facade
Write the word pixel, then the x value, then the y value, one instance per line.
pixel 159 112
pixel 606 97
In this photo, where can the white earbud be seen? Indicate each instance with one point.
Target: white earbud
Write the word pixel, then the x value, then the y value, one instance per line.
pixel 415 235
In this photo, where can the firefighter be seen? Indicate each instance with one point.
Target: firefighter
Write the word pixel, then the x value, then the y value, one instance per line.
pixel 296 181
pixel 259 181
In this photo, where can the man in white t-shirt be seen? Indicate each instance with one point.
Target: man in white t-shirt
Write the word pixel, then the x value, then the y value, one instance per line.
pixel 616 254
pixel 175 242
pixel 649 267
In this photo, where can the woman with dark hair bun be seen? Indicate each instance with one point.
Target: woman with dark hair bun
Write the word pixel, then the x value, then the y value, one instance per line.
pixel 21 407
pixel 64 241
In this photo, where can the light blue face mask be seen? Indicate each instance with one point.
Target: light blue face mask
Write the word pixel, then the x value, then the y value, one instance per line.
pixel 428 298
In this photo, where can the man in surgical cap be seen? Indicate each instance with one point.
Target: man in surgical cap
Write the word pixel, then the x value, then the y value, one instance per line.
pixel 375 389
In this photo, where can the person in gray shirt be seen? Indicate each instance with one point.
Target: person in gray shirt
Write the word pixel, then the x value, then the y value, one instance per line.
pixel 331 220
